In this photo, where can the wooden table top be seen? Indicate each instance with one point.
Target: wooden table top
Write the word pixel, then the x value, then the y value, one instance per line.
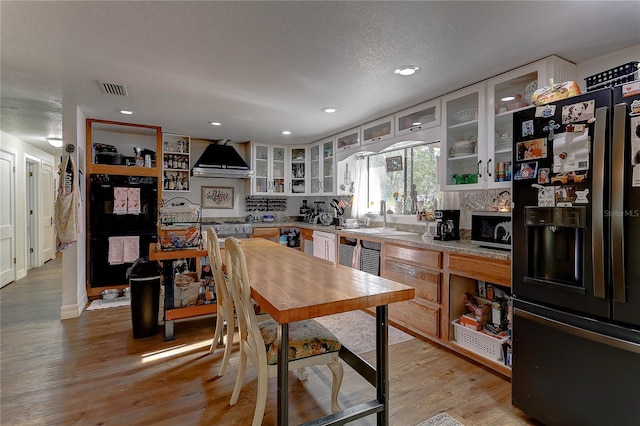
pixel 174 254
pixel 293 286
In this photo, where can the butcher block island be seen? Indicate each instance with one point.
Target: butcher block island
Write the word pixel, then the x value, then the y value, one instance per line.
pixel 446 276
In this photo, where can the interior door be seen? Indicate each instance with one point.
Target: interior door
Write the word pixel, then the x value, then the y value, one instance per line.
pixel 7 218
pixel 48 230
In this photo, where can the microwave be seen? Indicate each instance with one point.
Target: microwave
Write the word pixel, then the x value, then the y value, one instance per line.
pixel 491 229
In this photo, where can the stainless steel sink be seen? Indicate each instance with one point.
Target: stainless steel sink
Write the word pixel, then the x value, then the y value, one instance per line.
pixel 386 231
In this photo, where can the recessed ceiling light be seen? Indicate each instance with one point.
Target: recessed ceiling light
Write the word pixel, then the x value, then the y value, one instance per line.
pixel 215 123
pixel 407 70
pixel 329 110
pixel 126 111
pixel 286 132
pixel 55 142
pixel 508 98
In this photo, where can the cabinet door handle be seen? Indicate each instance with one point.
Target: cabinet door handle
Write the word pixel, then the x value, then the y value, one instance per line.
pixel 489 166
pixel 479 171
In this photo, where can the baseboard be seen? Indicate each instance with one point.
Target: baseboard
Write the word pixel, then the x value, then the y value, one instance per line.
pixel 70 311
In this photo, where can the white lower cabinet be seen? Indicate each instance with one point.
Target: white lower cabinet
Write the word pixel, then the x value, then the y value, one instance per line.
pixel 324 245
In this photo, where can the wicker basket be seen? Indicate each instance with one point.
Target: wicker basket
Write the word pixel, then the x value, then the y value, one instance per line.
pixel 346 254
pixel 479 342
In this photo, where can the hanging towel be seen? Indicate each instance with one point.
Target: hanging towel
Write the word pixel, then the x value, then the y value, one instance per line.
pixel 133 200
pixel 119 200
pixel 116 251
pixel 67 219
pixel 123 250
pixel 131 249
pixel 355 261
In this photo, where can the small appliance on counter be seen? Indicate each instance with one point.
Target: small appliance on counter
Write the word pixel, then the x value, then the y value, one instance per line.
pixel 447 225
pixel 491 229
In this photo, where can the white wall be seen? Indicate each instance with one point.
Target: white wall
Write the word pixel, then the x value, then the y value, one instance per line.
pixel 22 150
pixel 74 290
pixel 603 63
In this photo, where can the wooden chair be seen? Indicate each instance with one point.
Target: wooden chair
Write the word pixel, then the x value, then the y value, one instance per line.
pixel 225 311
pixel 258 341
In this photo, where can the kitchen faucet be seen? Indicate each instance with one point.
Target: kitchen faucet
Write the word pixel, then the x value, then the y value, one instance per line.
pixel 383 212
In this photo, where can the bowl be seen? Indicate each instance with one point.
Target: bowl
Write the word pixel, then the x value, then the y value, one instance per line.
pixel 467 114
pixel 110 294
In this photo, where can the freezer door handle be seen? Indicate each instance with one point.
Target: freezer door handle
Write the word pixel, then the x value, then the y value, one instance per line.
pixel 577 331
pixel 597 220
pixel 617 202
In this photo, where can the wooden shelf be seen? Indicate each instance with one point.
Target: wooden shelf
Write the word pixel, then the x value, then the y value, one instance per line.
pixel 190 311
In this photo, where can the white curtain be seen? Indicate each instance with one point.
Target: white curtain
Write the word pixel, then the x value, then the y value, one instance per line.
pixel 359 206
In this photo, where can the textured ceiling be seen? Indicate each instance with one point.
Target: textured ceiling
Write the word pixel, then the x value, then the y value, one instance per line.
pixel 263 67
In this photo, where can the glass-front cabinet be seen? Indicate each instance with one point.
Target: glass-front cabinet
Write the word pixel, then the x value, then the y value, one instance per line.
pixel 268 169
pixel 464 139
pixel 349 139
pixel 417 118
pixel 322 165
pixel 506 94
pixel 378 130
pixel 298 173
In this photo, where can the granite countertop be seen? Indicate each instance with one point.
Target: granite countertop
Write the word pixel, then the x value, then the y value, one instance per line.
pixel 412 240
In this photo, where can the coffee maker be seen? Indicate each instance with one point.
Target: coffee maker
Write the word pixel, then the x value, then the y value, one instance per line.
pixel 447 225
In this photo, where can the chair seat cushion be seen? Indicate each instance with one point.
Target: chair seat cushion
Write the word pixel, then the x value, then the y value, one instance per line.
pixel 306 338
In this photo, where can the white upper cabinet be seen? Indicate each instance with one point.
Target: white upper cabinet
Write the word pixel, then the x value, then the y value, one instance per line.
pixel 417 118
pixel 349 139
pixel 477 131
pixel 506 94
pixel 463 144
pixel 269 166
pixel 298 170
pixel 322 164
pixel 378 130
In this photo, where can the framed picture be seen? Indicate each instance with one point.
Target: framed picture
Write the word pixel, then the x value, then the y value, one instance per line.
pixel 394 164
pixel 217 197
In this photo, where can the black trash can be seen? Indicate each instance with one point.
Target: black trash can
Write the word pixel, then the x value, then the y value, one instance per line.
pixel 144 283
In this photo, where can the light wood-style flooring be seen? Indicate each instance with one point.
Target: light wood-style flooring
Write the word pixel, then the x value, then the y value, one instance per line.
pixel 90 371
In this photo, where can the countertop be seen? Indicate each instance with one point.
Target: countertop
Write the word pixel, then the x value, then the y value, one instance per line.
pixel 413 240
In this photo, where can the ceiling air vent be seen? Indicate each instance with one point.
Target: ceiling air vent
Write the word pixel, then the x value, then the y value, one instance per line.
pixel 113 88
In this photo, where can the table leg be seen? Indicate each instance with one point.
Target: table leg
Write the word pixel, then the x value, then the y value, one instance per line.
pixel 382 362
pixel 167 272
pixel 283 375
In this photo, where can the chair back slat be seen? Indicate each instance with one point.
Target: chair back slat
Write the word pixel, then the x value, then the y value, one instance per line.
pixel 241 292
pixel 215 257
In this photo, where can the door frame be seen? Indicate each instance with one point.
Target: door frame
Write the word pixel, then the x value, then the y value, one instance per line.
pixel 11 199
pixel 32 213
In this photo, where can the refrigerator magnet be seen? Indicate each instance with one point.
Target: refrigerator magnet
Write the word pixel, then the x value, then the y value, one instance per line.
pixel 565 195
pixel 545 111
pixel 551 128
pixel 543 175
pixel 526 171
pixel 531 150
pixel 581 196
pixel 575 128
pixel 546 195
pixel 527 128
pixel 580 111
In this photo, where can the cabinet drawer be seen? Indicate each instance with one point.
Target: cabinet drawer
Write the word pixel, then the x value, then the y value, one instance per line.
pixel 266 232
pixel 427 258
pixel 416 316
pixel 481 268
pixel 426 282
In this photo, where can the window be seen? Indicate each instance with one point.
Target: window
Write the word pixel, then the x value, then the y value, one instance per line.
pixel 406 178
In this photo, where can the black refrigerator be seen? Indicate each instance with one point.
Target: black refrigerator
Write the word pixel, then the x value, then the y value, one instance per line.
pixel 576 259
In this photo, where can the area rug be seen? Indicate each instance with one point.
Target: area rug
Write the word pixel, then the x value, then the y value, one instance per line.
pixel 357 331
pixel 442 419
pixel 103 304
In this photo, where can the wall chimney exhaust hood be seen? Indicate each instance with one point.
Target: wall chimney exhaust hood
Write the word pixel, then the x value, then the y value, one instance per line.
pixel 220 160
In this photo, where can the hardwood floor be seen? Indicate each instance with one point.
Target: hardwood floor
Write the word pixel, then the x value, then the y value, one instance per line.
pixel 90 370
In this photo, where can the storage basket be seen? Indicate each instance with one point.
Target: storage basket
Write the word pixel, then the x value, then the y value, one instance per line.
pixel 346 254
pixel 479 342
pixel 614 76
